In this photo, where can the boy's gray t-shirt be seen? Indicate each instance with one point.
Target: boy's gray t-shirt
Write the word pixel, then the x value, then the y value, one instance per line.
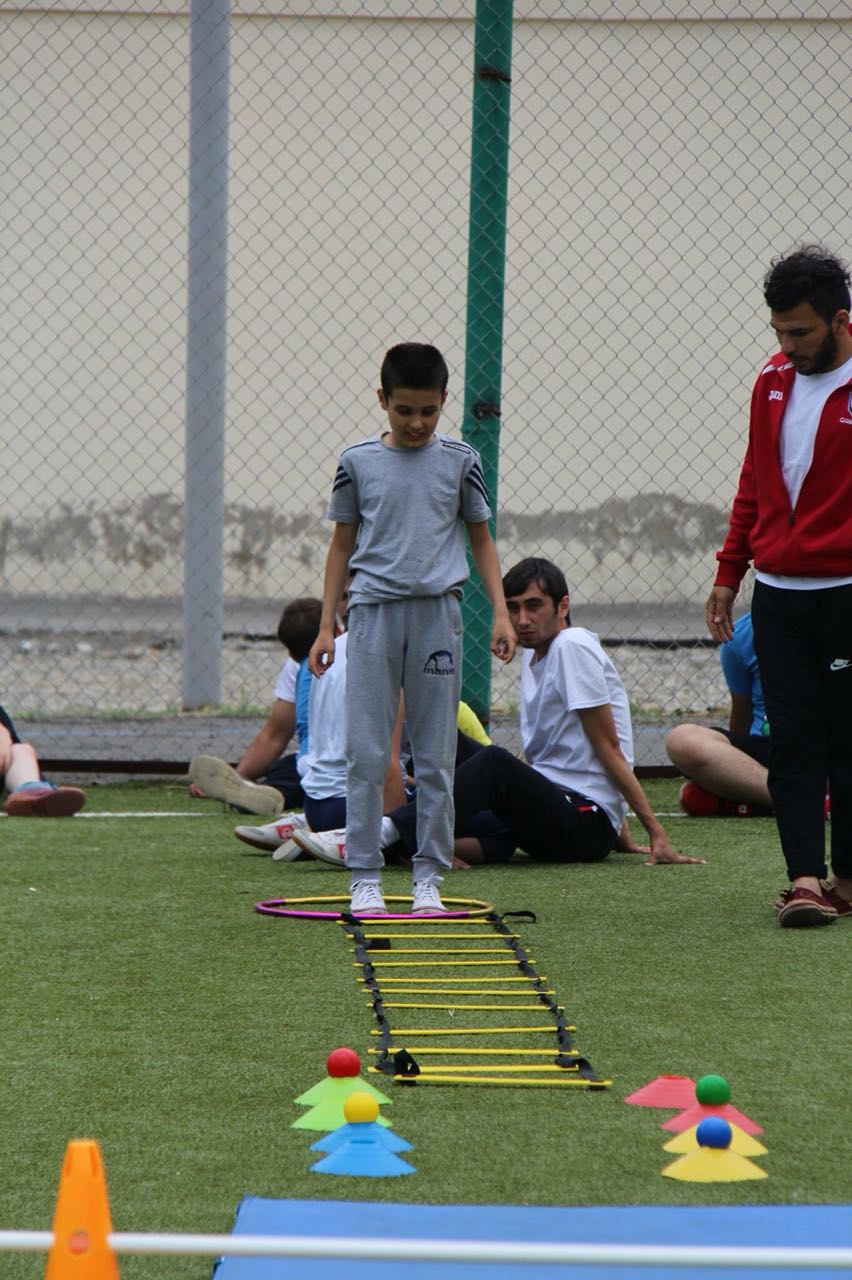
pixel 411 506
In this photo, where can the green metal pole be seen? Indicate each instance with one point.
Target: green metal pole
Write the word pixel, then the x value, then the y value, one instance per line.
pixel 489 176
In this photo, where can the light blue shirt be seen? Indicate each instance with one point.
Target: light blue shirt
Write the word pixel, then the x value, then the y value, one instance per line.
pixel 739 664
pixel 303 693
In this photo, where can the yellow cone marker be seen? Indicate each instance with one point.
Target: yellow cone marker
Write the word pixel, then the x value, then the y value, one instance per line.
pixel 713 1160
pixel 710 1164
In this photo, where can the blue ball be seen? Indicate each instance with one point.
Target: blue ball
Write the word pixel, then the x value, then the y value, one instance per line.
pixel 713 1132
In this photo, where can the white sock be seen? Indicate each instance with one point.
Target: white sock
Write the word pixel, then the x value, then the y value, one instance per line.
pixel 358 877
pixel 389 835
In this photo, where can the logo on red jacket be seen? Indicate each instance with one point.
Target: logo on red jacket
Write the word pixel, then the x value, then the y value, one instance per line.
pixel 848 421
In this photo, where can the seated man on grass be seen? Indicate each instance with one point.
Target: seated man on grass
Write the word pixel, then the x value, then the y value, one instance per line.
pixel 569 802
pixel 727 768
pixel 266 781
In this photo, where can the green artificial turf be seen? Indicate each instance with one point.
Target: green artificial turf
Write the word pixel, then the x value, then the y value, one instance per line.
pixel 146 1004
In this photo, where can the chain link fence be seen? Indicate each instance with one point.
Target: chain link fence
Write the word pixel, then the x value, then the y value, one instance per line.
pixel 660 155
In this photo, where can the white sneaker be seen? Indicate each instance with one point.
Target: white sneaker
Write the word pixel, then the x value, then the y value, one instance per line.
pixel 328 846
pixel 426 900
pixel 367 899
pixel 275 836
pixel 219 781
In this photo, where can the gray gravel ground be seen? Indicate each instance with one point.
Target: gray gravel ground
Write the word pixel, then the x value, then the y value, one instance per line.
pixel 118 698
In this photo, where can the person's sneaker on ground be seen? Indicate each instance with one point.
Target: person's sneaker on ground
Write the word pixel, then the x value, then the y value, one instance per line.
pixel 328 846
pixel 44 800
pixel 426 900
pixel 842 905
pixel 367 898
pixel 743 809
pixel 698 802
pixel 219 781
pixel 801 907
pixel 275 836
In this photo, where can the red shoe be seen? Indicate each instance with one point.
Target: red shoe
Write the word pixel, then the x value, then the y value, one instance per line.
pixel 842 906
pixel 44 800
pixel 698 802
pixel 798 907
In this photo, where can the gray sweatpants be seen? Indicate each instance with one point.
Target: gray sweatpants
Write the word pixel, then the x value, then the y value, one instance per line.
pixel 415 646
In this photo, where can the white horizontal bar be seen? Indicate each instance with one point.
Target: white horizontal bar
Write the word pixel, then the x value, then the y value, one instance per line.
pixel 25 1241
pixel 506 1251
pixel 142 813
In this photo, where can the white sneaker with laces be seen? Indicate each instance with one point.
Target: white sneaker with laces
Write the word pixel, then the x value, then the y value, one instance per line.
pixel 274 835
pixel 426 900
pixel 367 898
pixel 328 846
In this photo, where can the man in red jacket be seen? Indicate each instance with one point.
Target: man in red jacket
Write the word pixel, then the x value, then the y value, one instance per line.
pixel 792 516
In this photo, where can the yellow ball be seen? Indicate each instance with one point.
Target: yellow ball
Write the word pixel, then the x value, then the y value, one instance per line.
pixel 360 1108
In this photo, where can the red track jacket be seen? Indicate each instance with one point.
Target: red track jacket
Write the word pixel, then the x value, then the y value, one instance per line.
pixel 815 539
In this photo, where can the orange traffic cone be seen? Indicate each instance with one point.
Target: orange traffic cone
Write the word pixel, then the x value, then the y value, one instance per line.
pixel 82 1223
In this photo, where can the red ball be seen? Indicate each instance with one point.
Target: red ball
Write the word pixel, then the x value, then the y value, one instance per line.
pixel 343 1062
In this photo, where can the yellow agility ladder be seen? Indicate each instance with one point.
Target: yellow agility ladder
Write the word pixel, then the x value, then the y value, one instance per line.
pixel 456 978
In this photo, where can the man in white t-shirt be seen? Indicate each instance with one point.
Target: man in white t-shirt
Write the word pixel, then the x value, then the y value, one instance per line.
pixel 569 802
pixel 792 516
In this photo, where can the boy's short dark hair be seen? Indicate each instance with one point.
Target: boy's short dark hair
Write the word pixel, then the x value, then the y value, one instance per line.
pixel 415 365
pixel 543 573
pixel 299 626
pixel 810 274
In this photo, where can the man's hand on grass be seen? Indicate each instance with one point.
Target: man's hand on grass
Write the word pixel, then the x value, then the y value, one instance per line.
pixel 659 851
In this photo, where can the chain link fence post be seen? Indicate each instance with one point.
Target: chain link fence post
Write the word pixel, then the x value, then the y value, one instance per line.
pixel 206 353
pixel 486 274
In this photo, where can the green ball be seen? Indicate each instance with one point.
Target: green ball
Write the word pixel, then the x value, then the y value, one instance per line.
pixel 713 1091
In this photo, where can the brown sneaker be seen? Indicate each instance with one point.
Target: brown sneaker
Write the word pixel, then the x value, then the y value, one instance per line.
pixel 799 907
pixel 44 800
pixel 842 906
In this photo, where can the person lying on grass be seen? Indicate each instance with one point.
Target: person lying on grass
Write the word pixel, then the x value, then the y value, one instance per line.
pixel 569 802
pixel 29 795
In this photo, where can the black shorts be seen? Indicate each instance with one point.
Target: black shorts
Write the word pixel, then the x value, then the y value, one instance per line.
pixel 4 720
pixel 284 775
pixel 498 843
pixel 751 745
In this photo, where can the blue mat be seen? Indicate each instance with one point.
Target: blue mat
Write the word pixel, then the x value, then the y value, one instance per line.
pixel 801 1225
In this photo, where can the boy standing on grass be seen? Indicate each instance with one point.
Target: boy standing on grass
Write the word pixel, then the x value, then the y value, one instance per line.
pixel 400 504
